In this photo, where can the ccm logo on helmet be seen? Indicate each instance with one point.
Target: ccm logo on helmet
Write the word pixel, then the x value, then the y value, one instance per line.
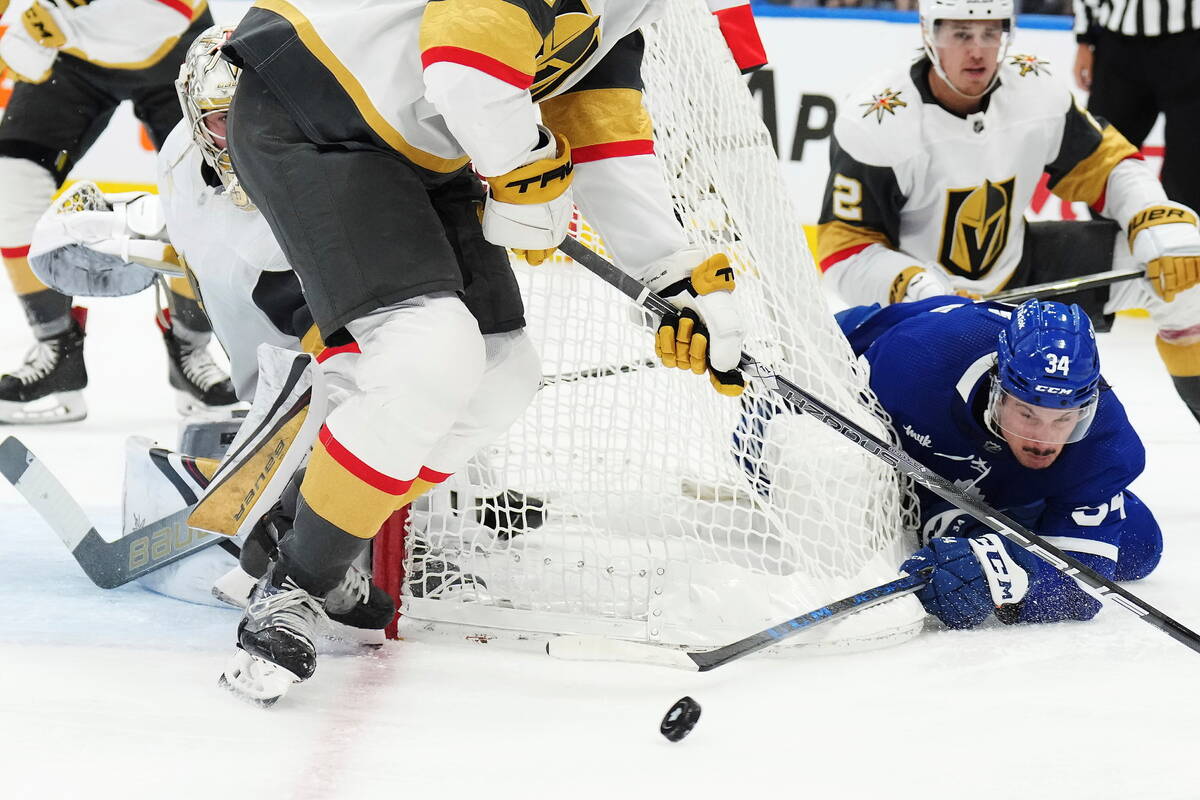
pixel 1051 389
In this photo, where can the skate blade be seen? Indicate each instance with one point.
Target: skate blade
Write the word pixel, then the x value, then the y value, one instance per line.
pixel 60 407
pixel 256 681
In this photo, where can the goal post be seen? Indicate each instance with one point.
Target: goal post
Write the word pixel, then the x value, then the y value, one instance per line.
pixel 632 501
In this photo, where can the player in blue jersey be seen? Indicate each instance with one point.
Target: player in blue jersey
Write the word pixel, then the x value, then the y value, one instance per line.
pixel 1009 404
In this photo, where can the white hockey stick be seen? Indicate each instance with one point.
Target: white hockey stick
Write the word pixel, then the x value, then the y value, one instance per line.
pixel 108 563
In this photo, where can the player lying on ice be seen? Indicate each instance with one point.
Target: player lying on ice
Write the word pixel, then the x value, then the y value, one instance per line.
pixel 932 166
pixel 1010 404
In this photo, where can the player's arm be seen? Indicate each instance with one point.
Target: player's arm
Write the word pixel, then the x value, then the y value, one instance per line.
pixel 857 235
pixel 479 60
pixel 979 573
pixel 620 188
pixel 117 33
pixel 1095 164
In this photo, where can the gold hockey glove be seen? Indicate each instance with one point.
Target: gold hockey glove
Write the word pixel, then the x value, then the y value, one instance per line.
pixel 529 208
pixel 1165 238
pixel 706 332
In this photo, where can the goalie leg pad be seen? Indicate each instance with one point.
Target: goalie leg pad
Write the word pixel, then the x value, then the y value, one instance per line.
pixel 273 442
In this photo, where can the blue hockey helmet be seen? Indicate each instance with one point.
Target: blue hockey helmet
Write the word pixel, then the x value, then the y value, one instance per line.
pixel 1047 380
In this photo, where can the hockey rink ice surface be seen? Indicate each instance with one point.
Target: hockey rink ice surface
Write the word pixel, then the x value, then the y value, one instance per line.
pixel 112 694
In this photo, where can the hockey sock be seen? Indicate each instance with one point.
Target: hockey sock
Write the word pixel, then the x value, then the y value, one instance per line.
pixel 48 311
pixel 1183 363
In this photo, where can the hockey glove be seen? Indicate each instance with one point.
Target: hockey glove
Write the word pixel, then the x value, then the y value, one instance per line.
pixel 1166 240
pixel 29 51
pixel 972 577
pixel 706 333
pixel 918 283
pixel 529 208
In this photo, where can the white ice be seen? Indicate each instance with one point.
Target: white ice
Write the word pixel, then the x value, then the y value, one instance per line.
pixel 112 694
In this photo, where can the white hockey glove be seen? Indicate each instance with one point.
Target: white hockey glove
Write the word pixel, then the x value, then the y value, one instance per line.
pixel 1165 238
pixel 529 208
pixel 918 283
pixel 95 245
pixel 30 50
pixel 707 331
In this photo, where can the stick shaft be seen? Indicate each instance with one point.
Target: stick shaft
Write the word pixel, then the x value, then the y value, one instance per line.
pixel 1063 287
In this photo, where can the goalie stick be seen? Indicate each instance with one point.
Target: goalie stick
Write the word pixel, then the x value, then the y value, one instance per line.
pixel 587 648
pixel 800 401
pixel 1062 287
pixel 109 564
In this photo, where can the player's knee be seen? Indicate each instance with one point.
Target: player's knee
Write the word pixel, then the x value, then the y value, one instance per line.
pixel 511 378
pixel 1141 541
pixel 26 189
pixel 430 347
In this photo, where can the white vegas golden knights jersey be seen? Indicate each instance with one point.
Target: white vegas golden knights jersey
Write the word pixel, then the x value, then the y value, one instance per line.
pixel 447 82
pixel 948 192
pixel 117 34
pixel 438 79
pixel 228 249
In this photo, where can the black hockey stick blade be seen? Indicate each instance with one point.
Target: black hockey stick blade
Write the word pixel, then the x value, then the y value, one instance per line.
pixel 802 402
pixel 108 564
pixel 1054 288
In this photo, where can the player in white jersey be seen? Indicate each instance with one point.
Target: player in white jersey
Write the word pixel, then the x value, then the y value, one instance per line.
pixel 74 63
pixel 932 166
pixel 352 129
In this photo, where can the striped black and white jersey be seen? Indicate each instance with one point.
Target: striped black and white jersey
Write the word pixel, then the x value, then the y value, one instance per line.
pixel 1135 17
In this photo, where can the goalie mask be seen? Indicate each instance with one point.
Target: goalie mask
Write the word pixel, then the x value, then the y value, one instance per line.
pixel 1047 381
pixel 935 34
pixel 205 86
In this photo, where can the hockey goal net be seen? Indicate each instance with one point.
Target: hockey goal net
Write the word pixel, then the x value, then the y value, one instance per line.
pixel 632 501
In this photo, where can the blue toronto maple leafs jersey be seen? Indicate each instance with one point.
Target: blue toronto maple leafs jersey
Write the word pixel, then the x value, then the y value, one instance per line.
pixel 931 364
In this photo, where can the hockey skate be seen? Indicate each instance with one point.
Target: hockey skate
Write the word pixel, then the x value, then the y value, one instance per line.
pixel 48 387
pixel 275 640
pixel 434 578
pixel 357 610
pixel 199 383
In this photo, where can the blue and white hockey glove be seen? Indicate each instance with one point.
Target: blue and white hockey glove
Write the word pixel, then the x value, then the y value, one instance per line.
pixel 973 576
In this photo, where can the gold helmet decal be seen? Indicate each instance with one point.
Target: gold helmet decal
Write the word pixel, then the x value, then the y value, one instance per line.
pixel 575 37
pixel 975 228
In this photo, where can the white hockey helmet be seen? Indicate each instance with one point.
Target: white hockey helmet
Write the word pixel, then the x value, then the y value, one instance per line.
pixel 205 87
pixel 934 11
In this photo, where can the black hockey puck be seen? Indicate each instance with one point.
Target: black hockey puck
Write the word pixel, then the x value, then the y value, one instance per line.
pixel 680 720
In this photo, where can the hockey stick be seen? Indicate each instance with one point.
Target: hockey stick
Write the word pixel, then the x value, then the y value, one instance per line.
pixel 597 372
pixel 800 401
pixel 1062 287
pixel 108 564
pixel 586 648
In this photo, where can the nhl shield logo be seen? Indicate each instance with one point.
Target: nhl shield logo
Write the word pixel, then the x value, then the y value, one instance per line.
pixel 976 226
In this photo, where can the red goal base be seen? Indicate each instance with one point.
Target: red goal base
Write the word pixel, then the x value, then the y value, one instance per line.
pixel 387 561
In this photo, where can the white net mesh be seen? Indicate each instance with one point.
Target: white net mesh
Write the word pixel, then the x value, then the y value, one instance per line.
pixel 632 500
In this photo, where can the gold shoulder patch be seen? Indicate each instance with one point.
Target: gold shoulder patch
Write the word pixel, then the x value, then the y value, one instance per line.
pixel 886 101
pixel 1027 64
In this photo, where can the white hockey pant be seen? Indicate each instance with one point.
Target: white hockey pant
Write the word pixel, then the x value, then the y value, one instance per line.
pixel 431 390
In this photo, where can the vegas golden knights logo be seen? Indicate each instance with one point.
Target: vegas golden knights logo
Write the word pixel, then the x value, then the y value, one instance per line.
pixel 975 228
pixel 575 37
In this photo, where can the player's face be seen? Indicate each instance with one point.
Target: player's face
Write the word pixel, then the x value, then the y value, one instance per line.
pixel 216 124
pixel 967 51
pixel 1036 435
